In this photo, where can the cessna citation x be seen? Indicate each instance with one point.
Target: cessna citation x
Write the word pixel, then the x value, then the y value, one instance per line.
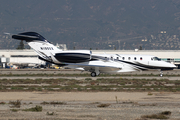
pixel 94 63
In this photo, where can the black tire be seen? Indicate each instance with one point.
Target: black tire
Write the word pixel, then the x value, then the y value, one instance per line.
pixel 93 74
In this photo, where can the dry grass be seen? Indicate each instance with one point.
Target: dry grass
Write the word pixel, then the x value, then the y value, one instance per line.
pixel 15 104
pixel 100 84
pixel 103 105
pixel 149 93
pixel 162 115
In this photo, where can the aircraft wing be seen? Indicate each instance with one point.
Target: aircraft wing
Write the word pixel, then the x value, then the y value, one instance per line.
pixel 103 67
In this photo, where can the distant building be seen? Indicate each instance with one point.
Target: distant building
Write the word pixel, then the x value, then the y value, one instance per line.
pixel 163 31
pixel 61 46
pixel 19 58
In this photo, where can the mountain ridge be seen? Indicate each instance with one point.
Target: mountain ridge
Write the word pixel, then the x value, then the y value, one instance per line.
pixel 95 24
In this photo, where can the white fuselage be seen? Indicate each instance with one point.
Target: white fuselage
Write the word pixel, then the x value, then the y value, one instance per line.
pixel 101 63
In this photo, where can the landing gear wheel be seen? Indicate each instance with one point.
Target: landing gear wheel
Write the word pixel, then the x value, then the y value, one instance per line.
pixel 161 74
pixel 93 74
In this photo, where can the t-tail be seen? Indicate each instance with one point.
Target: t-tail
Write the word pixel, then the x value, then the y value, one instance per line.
pixel 44 48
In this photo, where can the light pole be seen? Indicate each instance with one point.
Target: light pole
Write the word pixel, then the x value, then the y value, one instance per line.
pixel 119 43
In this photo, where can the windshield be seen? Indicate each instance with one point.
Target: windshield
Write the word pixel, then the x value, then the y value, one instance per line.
pixel 156 59
pixel 118 55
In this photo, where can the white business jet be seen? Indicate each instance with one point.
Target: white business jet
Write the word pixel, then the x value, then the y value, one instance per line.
pixel 94 63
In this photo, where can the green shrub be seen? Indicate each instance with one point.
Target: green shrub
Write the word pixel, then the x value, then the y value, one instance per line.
pixel 88 78
pixel 44 103
pixel 34 109
pixel 14 110
pixel 58 103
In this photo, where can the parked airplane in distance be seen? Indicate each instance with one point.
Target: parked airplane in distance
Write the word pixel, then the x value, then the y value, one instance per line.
pixel 94 63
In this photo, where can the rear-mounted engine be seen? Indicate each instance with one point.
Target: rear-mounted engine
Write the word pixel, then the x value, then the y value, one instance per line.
pixel 76 56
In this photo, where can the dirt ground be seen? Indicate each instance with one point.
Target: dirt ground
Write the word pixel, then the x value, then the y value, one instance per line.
pixel 85 105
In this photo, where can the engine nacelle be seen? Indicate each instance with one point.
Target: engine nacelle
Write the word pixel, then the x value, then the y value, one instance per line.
pixel 75 56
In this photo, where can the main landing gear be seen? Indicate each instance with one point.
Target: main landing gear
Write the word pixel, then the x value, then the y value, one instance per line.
pixel 93 74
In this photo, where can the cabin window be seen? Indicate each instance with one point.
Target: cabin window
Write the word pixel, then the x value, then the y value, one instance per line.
pixel 134 58
pixel 140 58
pixel 129 58
pixel 123 58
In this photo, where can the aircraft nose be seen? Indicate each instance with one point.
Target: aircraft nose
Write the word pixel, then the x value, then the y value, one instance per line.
pixel 168 66
pixel 171 65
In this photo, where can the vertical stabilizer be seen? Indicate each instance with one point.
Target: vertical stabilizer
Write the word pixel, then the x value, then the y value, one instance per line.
pixel 43 47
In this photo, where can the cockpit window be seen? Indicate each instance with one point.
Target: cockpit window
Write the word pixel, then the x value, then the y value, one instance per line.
pixel 118 55
pixel 156 59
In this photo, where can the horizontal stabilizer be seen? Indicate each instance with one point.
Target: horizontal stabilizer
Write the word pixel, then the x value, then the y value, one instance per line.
pixel 29 36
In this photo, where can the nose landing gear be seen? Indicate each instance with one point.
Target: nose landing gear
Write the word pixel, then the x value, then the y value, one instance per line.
pixel 161 73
